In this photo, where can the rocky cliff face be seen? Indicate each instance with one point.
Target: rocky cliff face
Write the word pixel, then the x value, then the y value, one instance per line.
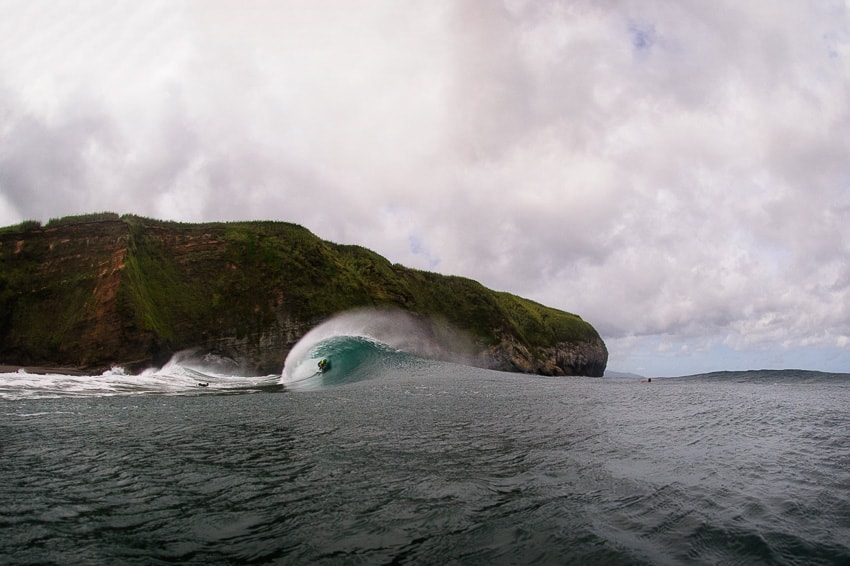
pixel 58 294
pixel 583 357
pixel 95 292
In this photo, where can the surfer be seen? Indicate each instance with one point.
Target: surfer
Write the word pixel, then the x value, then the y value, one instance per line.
pixel 647 380
pixel 324 364
pixel 207 384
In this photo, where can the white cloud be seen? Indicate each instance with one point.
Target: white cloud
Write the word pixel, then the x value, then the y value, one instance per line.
pixel 676 174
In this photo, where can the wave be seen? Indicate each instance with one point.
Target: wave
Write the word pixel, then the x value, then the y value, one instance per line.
pixel 351 359
pixel 362 345
pixel 184 374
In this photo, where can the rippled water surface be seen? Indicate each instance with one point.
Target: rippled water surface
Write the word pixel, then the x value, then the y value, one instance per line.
pixel 435 463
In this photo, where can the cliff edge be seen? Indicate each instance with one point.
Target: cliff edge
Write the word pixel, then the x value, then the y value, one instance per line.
pixel 94 291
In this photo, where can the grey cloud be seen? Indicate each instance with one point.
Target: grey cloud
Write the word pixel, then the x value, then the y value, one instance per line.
pixel 676 174
pixel 44 163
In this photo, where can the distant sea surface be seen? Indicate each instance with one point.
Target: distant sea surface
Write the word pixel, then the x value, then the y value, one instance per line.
pixel 390 458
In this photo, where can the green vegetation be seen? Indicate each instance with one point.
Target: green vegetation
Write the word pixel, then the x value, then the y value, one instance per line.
pixel 80 218
pixel 22 228
pixel 164 286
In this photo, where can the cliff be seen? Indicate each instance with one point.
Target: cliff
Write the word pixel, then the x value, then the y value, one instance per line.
pixel 94 291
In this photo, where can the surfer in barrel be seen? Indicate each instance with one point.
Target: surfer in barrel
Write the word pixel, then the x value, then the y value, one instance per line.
pixel 324 364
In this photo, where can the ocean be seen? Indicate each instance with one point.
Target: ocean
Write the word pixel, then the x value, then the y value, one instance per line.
pixel 391 458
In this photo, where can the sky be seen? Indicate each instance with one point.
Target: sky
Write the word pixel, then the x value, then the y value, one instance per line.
pixel 676 173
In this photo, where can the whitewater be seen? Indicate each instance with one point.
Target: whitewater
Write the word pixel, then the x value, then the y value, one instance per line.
pixel 403 452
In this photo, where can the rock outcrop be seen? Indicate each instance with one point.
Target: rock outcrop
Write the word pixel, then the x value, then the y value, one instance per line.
pixel 584 357
pixel 95 291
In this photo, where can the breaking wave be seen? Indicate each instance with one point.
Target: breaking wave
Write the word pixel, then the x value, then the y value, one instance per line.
pixel 366 344
pixel 184 374
pixel 351 358
pixel 360 345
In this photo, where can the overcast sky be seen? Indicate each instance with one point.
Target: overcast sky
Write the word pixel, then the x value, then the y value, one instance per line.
pixel 677 173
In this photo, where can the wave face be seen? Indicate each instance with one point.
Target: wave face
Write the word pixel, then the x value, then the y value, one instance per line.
pixel 352 358
pixel 362 345
pixel 182 375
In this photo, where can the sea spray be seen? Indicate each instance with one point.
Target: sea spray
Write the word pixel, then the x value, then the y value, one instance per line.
pixel 182 375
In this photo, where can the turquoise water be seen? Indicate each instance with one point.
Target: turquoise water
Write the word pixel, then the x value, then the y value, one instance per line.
pixel 397 459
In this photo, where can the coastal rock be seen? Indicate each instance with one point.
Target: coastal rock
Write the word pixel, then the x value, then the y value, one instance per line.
pixel 95 291
pixel 586 357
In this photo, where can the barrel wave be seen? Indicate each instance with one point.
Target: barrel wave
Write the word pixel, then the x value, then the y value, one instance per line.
pixel 360 345
pixel 352 358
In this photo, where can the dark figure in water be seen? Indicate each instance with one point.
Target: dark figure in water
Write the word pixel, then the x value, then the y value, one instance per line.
pixel 324 364
pixel 207 384
pixel 648 380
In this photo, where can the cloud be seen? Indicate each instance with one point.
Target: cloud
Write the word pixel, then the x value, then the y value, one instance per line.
pixel 675 174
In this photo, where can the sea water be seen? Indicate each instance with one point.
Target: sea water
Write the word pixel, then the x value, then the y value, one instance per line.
pixel 392 458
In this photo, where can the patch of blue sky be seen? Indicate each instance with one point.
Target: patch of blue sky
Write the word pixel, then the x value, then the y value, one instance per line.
pixel 832 46
pixel 418 248
pixel 642 35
